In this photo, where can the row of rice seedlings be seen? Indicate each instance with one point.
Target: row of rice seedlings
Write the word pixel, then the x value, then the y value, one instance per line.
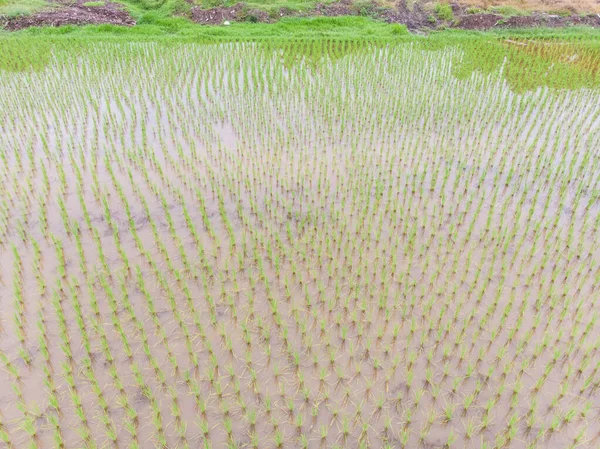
pixel 131 425
pixel 161 279
pixel 276 314
pixel 222 330
pixel 178 316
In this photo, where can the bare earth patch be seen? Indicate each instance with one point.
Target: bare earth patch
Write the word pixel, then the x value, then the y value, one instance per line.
pixel 488 21
pixel 548 20
pixel 73 14
pixel 334 10
pixel 237 12
pixel 479 21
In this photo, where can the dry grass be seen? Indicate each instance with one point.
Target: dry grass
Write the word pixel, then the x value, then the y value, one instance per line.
pixel 555 6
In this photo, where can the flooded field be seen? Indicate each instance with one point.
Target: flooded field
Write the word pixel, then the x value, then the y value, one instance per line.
pixel 323 245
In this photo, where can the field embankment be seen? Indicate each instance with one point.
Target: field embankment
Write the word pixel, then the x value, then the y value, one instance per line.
pixel 417 16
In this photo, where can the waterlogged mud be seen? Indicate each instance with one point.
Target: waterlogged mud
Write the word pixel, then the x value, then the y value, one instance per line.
pixel 216 246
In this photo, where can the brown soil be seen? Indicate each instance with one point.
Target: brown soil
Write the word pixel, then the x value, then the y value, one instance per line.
pixel 479 21
pixel 334 9
pixel 547 20
pixel 216 16
pixel 73 14
pixel 414 17
pixel 488 21
pixel 237 12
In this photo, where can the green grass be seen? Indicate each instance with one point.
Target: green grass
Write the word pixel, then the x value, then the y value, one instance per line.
pixel 509 11
pixel 94 4
pixel 153 25
pixel 271 6
pixel 444 11
pixel 12 8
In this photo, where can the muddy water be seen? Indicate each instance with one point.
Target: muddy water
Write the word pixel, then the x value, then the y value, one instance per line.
pixel 238 248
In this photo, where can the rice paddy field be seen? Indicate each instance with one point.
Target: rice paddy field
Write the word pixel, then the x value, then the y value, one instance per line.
pixel 300 244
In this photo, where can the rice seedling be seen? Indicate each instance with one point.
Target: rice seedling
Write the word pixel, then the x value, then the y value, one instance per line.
pixel 302 244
